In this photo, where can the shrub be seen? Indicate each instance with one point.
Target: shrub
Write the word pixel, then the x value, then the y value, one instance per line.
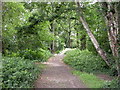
pixel 84 61
pixel 112 84
pixel 18 72
pixel 39 54
pixel 13 54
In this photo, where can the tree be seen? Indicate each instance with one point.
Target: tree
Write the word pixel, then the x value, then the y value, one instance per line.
pixel 0 28
pixel 101 52
pixel 112 15
pixel 12 16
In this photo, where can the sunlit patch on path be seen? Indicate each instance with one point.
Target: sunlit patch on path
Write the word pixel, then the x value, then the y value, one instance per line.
pixel 58 75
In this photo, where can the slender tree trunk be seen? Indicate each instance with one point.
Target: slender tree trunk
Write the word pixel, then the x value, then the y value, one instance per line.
pixel 77 38
pixel 93 39
pixel 83 42
pixel 53 41
pixel 69 40
pixel 69 34
pixel 3 48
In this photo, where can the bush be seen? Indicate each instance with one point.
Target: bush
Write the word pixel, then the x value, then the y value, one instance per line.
pixel 112 84
pixel 13 54
pixel 18 72
pixel 84 61
pixel 39 54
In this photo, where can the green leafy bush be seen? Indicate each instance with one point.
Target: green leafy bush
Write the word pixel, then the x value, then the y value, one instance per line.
pixel 112 84
pixel 84 61
pixel 13 54
pixel 39 54
pixel 19 72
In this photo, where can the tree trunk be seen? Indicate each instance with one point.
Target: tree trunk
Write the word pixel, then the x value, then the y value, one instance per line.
pixel 53 41
pixel 69 40
pixel 0 27
pixel 69 34
pixel 112 16
pixel 77 38
pixel 83 42
pixel 112 29
pixel 93 39
pixel 118 38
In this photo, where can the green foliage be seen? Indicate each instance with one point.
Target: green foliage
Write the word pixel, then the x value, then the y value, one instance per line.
pixel 29 26
pixel 96 22
pixel 18 30
pixel 84 61
pixel 112 84
pixel 14 15
pixel 18 72
pixel 39 54
pixel 102 40
pixel 90 80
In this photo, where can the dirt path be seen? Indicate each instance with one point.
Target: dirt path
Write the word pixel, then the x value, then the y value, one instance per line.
pixel 58 75
pixel 105 77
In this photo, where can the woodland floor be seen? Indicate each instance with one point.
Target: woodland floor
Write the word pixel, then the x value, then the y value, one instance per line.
pixel 58 75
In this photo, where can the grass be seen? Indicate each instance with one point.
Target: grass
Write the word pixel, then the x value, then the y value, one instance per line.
pixel 42 66
pixel 90 80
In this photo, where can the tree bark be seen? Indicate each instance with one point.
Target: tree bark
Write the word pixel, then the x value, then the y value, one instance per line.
pixel 93 39
pixel 52 46
pixel 112 29
pixel 83 42
pixel 69 34
pixel 69 40
pixel 112 16
pixel 0 27
pixel 77 38
pixel 117 8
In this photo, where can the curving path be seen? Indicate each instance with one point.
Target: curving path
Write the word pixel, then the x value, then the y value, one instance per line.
pixel 58 75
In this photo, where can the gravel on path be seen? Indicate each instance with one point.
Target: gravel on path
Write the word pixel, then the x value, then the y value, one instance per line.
pixel 58 75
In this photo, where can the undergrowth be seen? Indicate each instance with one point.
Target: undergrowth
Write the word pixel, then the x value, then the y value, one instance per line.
pixel 39 54
pixel 19 73
pixel 112 84
pixel 85 61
